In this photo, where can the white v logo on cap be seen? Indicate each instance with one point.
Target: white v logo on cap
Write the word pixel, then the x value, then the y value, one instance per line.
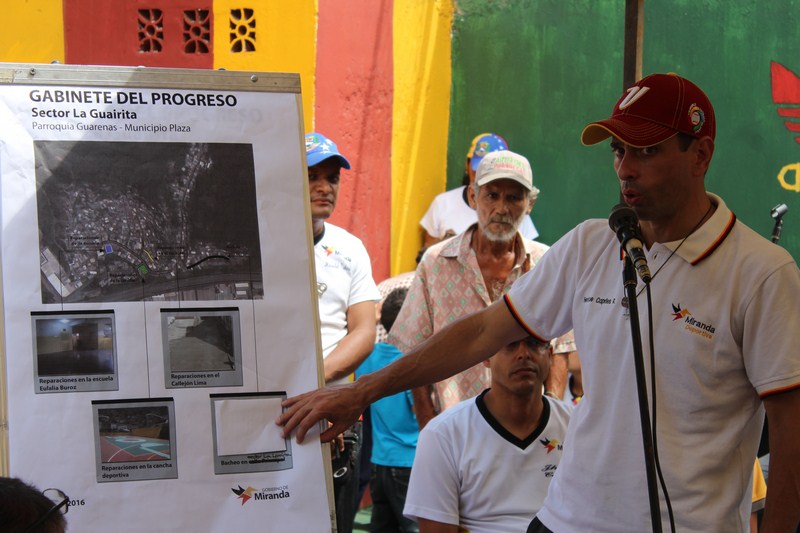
pixel 634 93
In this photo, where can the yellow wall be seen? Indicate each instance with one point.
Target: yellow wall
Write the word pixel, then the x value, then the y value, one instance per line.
pixel 32 32
pixel 286 38
pixel 421 115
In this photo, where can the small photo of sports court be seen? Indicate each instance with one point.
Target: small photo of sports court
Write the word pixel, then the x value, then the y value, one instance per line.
pixel 134 434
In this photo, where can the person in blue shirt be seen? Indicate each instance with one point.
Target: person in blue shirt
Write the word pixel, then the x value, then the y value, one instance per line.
pixel 394 435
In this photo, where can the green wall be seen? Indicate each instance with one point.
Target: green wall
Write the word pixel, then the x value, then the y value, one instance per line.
pixel 726 48
pixel 536 71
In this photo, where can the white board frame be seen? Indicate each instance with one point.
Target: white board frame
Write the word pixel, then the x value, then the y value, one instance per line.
pixel 51 438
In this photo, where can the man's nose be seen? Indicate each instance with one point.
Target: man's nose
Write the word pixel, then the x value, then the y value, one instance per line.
pixel 523 352
pixel 627 168
pixel 320 185
pixel 504 205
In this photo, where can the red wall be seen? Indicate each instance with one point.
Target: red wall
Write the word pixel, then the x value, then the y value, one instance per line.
pixel 105 32
pixel 354 73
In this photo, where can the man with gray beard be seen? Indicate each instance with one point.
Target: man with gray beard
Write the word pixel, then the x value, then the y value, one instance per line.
pixel 468 272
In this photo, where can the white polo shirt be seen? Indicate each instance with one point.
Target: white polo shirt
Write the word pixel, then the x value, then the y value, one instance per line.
pixel 470 471
pixel 726 330
pixel 344 278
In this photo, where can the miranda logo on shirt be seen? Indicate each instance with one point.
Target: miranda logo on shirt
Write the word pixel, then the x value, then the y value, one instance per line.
pixel 330 250
pixel 691 324
pixel 551 444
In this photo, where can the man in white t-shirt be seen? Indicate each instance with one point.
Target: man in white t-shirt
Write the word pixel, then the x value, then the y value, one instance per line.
pixel 450 213
pixel 485 465
pixel 347 296
pixel 725 331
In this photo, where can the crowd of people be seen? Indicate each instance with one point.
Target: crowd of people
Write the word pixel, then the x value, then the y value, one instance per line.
pixel 457 274
pixel 483 353
pixel 473 367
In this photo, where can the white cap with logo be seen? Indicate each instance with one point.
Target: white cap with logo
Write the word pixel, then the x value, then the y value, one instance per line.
pixel 505 164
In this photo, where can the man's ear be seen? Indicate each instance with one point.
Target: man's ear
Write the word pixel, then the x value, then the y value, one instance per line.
pixel 704 151
pixel 530 205
pixel 471 199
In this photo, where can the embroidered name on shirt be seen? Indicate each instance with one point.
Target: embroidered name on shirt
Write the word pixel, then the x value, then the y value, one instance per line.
pixel 549 470
pixel 338 265
pixel 599 300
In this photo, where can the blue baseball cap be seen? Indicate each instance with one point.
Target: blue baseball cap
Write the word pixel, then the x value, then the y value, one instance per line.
pixel 319 148
pixel 482 145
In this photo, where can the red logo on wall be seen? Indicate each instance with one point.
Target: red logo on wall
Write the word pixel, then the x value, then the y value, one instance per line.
pixel 786 94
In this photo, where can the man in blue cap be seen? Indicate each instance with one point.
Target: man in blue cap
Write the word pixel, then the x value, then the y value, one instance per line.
pixel 450 213
pixel 347 296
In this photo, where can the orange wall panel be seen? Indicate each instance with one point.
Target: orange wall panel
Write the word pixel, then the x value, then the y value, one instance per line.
pixel 354 108
pixel 153 33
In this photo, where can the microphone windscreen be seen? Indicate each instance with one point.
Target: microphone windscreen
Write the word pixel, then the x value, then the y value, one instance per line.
pixel 622 216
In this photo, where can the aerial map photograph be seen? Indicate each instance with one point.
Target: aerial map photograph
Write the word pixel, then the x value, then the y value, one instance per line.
pixel 141 221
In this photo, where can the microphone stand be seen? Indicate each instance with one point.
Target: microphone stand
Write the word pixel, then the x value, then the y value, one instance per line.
pixel 776 231
pixel 629 282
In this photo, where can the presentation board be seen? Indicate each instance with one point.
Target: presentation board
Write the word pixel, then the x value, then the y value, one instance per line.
pixel 158 296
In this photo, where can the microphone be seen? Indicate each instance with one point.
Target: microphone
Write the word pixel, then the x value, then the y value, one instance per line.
pixel 624 222
pixel 777 213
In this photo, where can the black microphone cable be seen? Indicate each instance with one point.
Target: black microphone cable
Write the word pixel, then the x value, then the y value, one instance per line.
pixel 653 397
pixel 625 224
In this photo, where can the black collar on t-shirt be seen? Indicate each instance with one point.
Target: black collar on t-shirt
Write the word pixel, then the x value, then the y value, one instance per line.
pixel 503 432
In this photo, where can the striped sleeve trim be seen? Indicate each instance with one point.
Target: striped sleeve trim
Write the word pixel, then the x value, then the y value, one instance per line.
pixel 518 318
pixel 779 391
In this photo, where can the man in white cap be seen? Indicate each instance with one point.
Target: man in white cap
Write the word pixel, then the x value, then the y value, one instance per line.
pixel 347 296
pixel 450 212
pixel 469 272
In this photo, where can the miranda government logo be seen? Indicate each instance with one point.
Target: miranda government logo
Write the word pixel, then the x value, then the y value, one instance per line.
pixel 691 324
pixel 244 494
pixel 330 250
pixel 551 444
pixel 269 493
pixel 678 312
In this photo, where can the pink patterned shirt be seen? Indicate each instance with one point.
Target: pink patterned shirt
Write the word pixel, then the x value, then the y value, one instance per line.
pixel 448 285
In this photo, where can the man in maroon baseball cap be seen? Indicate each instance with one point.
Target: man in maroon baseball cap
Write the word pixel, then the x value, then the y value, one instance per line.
pixel 662 130
pixel 653 110
pixel 722 335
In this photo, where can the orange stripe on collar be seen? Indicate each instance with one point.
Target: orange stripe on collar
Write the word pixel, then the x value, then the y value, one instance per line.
pixel 714 245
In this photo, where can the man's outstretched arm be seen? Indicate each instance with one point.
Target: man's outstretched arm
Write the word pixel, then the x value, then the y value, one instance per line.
pixel 455 348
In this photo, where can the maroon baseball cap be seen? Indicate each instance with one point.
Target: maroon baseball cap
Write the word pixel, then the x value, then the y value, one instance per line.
pixel 653 110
